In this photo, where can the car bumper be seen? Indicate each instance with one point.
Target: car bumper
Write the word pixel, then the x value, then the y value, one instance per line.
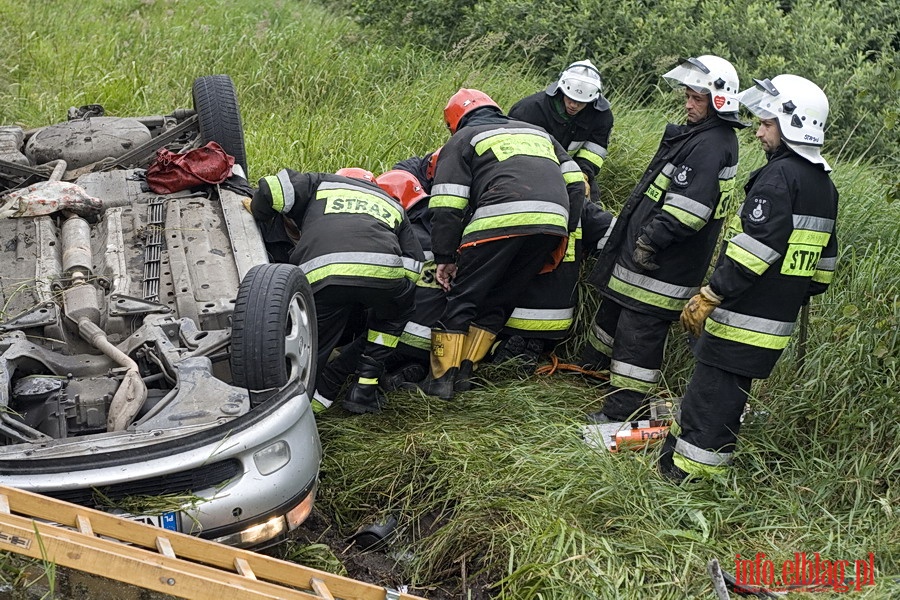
pixel 261 498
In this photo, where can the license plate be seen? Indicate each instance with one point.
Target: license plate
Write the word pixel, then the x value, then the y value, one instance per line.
pixel 167 520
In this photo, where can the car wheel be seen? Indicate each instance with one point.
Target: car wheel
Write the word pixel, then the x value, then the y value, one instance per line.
pixel 273 334
pixel 216 104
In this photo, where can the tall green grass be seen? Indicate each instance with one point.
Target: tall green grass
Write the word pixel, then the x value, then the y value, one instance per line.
pixel 496 490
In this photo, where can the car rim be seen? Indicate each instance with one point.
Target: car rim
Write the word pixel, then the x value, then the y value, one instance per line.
pixel 298 341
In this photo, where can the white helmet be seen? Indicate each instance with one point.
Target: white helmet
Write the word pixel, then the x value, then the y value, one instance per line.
pixel 799 106
pixel 581 82
pixel 711 75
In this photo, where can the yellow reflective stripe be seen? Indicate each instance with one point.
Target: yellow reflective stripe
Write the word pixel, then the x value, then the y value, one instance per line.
pixel 600 340
pixel 382 339
pixel 659 185
pixel 507 145
pixel 355 270
pixel 368 381
pixel 694 468
pixel 573 177
pixel 277 193
pixel 745 336
pixel 746 259
pixel 645 296
pixel 591 157
pixel 539 324
pixel 570 247
pixel 684 217
pixel 821 276
pixel 629 383
pixel 415 341
pixel 515 220
pixel 809 238
pixel 448 202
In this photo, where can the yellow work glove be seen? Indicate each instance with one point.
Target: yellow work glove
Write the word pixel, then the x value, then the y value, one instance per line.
pixel 246 203
pixel 697 309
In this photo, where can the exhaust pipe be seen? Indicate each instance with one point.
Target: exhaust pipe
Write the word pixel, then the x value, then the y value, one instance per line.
pixel 132 392
pixel 82 307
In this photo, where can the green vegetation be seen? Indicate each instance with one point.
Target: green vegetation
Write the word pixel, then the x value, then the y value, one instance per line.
pixel 851 49
pixel 496 489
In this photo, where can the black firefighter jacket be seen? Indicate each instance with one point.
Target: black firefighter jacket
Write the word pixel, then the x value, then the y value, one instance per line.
pixel 781 249
pixel 584 136
pixel 351 232
pixel 679 205
pixel 499 178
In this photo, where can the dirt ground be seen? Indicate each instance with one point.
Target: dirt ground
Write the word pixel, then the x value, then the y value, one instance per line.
pixel 378 566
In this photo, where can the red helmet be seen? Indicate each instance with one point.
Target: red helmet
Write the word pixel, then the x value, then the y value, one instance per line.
pixel 402 186
pixel 356 173
pixel 432 164
pixel 462 103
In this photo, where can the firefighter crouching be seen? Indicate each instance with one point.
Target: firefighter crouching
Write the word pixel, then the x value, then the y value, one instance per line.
pixel 408 364
pixel 544 313
pixel 357 248
pixel 505 198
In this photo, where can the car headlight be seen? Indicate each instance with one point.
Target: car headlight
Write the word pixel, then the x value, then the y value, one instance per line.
pixel 272 457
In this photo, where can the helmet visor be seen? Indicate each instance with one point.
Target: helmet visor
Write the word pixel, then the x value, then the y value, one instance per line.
pixel 761 99
pixel 690 72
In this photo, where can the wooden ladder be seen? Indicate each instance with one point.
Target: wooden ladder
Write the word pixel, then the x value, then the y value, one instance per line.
pixel 165 561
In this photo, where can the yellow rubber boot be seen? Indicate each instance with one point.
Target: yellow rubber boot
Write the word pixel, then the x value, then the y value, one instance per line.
pixel 477 345
pixel 446 354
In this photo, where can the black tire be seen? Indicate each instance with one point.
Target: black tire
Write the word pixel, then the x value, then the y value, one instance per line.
pixel 216 104
pixel 273 334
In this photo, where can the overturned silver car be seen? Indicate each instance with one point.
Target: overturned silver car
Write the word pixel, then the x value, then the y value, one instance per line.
pixel 152 361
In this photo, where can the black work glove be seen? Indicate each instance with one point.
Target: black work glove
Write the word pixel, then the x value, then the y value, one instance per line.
pixel 643 254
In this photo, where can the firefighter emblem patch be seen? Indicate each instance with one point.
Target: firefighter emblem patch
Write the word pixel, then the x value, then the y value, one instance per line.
pixel 757 210
pixel 682 176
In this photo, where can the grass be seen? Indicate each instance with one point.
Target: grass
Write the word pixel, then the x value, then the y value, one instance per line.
pixel 496 489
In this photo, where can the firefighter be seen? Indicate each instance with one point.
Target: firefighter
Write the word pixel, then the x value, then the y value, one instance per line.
pixel 505 197
pixel 544 313
pixel 664 238
pixel 574 111
pixel 408 364
pixel 781 250
pixel 357 248
pixel 422 167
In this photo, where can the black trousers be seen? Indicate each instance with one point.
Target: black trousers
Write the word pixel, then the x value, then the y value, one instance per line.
pixel 387 311
pixel 490 278
pixel 711 408
pixel 639 341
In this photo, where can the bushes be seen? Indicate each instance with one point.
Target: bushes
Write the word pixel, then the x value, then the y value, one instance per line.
pixel 850 49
